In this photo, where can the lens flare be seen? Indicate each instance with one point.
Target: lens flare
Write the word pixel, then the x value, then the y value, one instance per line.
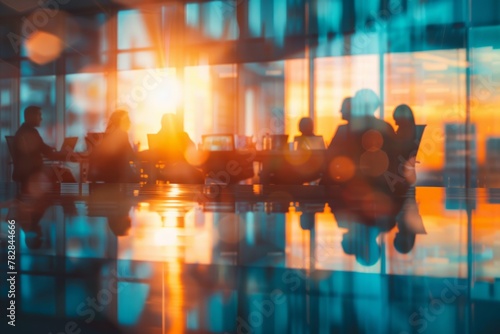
pixel 43 47
pixel 374 163
pixel 341 169
pixel 372 140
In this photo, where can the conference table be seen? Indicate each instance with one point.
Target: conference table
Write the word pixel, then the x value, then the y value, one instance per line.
pixel 273 166
pixel 291 167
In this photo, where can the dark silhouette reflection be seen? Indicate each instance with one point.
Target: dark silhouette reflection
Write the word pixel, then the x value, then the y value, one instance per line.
pixel 119 220
pixel 28 212
pixel 365 221
pixel 110 159
pixel 410 223
pixel 112 202
pixel 28 151
pixel 170 146
pixel 364 224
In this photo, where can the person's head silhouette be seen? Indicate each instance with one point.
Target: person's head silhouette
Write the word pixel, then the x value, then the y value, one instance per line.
pixel 169 123
pixel 306 126
pixel 119 119
pixel 404 242
pixel 403 116
pixel 365 103
pixel 33 116
pixel 346 109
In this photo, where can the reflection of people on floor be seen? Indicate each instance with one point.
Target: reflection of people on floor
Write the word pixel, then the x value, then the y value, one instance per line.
pixel 110 160
pixel 361 241
pixel 409 222
pixel 119 220
pixel 363 227
pixel 114 203
pixel 28 212
pixel 173 145
pixel 28 151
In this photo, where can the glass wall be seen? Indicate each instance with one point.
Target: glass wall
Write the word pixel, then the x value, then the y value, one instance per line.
pixel 256 67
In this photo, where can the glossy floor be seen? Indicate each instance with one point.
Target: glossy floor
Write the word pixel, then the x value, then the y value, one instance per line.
pixel 252 260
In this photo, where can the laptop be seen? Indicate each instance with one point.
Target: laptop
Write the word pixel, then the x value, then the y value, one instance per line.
pixel 310 143
pixel 219 142
pixel 68 145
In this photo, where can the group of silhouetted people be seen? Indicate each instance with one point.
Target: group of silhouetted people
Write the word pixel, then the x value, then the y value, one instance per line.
pixel 364 152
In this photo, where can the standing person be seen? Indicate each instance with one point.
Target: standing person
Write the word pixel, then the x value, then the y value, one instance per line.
pixel 110 161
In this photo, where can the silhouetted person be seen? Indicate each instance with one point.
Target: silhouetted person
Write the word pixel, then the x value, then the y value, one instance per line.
pixel 306 126
pixel 175 141
pixel 336 147
pixel 363 152
pixel 342 132
pixel 407 142
pixel 283 169
pixel 29 150
pixel 308 140
pixel 175 145
pixel 119 221
pixel 110 160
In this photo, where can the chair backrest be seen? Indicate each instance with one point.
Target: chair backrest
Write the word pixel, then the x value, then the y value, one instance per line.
pixel 92 139
pixel 218 142
pixel 419 132
pixel 10 145
pixel 154 142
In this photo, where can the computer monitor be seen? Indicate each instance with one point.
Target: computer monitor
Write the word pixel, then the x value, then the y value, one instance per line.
pixel 309 143
pixel 419 132
pixel 218 142
pixel 154 142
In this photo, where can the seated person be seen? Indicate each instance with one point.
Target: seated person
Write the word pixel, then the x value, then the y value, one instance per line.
pixel 308 140
pixel 342 130
pixel 174 143
pixel 406 140
pixel 363 152
pixel 110 159
pixel 296 169
pixel 29 150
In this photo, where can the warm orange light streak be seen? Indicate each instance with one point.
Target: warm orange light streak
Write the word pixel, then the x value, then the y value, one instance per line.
pixel 296 95
pixel 198 101
pixel 147 95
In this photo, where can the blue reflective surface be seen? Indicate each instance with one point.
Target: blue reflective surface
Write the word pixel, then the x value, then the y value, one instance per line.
pixel 176 259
